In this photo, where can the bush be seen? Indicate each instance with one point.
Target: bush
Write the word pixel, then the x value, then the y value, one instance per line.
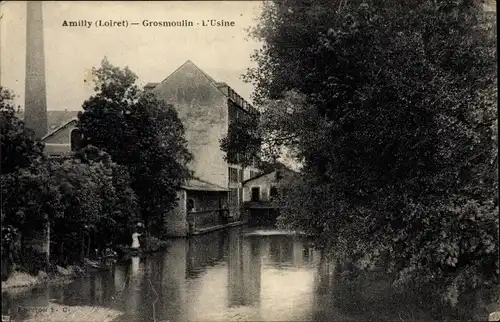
pixel 154 244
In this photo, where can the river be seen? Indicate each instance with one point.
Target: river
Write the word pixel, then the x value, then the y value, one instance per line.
pixel 238 274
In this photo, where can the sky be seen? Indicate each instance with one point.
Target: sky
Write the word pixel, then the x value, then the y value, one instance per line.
pixel 150 52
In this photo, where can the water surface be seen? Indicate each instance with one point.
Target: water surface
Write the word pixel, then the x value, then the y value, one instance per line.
pixel 238 274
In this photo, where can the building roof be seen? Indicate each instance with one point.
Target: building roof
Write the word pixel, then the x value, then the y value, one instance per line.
pixel 188 62
pixel 60 128
pixel 200 185
pixel 218 85
pixel 55 118
pixel 269 172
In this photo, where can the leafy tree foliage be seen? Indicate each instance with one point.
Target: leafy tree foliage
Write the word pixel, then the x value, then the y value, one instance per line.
pixel 79 199
pixel 122 206
pixel 19 147
pixel 139 132
pixel 86 194
pixel 391 106
pixel 243 142
pixel 97 198
pixel 29 196
pixel 268 166
pixel 21 154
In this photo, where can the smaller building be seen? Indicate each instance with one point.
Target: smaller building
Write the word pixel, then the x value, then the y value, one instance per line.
pixel 261 192
pixel 62 140
pixel 202 207
pixel 267 186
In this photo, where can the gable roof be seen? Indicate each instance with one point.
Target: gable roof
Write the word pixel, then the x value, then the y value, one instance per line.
pixel 55 118
pixel 60 128
pixel 269 172
pixel 190 63
pixel 218 85
pixel 200 185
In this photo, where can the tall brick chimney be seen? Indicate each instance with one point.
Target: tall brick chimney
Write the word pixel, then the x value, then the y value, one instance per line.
pixel 35 107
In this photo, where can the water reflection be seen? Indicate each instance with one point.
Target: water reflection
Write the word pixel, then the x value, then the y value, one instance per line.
pixel 133 290
pixel 244 270
pixel 225 275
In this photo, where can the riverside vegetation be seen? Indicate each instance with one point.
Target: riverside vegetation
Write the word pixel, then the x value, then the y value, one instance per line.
pixel 391 108
pixel 132 157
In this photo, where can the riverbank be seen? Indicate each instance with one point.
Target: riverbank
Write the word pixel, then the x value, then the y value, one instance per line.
pixel 57 312
pixel 290 279
pixel 372 294
pixel 23 280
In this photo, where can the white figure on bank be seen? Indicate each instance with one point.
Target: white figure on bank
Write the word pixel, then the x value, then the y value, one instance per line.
pixel 135 240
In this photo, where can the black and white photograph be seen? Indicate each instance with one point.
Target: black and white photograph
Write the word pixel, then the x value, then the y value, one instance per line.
pixel 265 160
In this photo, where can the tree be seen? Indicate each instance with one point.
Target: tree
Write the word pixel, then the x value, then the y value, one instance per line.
pixel 140 132
pixel 243 141
pixel 392 111
pixel 31 201
pixel 88 193
pixel 19 147
pixel 99 204
pixel 269 166
pixel 89 199
pixel 29 195
pixel 27 199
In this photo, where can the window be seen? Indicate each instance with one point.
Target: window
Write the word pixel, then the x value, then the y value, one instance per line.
pixel 255 193
pixel 233 175
pixel 190 205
